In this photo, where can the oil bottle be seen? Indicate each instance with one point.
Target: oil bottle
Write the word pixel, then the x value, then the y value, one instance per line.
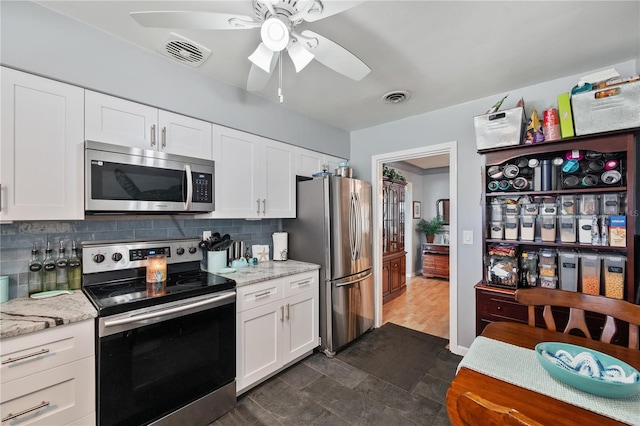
pixel 35 271
pixel 49 268
pixel 75 269
pixel 62 275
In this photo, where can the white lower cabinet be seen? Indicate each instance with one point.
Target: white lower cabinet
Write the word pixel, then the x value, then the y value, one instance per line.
pixel 277 324
pixel 48 377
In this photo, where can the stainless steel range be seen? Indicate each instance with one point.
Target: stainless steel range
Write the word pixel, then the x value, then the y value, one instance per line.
pixel 165 353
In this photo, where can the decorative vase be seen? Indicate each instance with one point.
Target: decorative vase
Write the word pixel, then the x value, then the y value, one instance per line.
pixel 430 238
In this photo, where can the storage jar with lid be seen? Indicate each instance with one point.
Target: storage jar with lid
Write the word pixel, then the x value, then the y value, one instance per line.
pixel 567 204
pixel 511 209
pixel 530 209
pixel 497 230
pixel 567 225
pixel 549 208
pixel 588 204
pixel 585 223
pixel 568 269
pixel 548 282
pixel 548 228
pixel 610 204
pixel 590 271
pixel 511 227
pixel 547 270
pixel 527 228
pixel 502 271
pixel 497 209
pixel 614 267
pixel 547 257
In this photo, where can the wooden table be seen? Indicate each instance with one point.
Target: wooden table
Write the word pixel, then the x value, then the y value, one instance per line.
pixel 544 409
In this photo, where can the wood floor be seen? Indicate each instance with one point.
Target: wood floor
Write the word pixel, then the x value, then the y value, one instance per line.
pixel 424 306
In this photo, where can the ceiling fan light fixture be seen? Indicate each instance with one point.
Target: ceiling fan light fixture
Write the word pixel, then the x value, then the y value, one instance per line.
pixel 275 34
pixel 262 57
pixel 396 97
pixel 299 55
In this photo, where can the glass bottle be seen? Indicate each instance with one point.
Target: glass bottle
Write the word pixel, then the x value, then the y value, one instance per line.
pixel 75 270
pixel 35 272
pixel 62 275
pixel 49 268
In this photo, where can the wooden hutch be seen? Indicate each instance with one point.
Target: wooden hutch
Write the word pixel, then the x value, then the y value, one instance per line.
pixel 393 254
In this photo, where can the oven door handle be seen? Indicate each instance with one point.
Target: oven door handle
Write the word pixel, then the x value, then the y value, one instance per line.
pixel 187 204
pixel 169 311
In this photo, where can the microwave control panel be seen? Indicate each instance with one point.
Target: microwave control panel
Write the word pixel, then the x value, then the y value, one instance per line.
pixel 202 188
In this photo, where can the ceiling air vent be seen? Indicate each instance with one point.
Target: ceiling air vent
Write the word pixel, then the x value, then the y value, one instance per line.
pixel 184 50
pixel 395 97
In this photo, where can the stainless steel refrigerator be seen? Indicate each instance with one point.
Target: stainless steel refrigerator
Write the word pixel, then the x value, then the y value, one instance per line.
pixel 333 229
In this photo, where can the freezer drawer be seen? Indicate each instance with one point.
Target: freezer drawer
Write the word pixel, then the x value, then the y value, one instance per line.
pixel 351 312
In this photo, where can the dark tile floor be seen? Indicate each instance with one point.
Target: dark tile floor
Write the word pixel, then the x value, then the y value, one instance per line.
pixel 323 391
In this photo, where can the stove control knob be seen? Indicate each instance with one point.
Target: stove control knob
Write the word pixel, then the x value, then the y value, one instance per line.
pixel 98 258
pixel 192 249
pixel 116 257
pixel 180 251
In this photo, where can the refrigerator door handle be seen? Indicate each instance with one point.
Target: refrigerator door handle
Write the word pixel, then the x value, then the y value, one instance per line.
pixel 358 227
pixel 353 224
pixel 352 279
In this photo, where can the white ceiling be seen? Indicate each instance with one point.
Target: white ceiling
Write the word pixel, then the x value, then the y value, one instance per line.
pixel 443 52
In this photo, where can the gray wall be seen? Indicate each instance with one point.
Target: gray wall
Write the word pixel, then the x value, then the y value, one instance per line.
pixel 435 185
pixel 41 41
pixel 456 124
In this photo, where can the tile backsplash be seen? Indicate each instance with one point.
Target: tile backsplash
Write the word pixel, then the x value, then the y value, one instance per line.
pixel 17 238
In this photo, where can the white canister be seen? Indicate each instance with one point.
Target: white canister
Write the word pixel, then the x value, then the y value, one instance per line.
pixel 4 288
pixel 280 246
pixel 216 260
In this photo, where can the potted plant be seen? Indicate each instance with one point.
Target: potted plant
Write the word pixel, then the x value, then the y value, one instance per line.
pixel 391 174
pixel 430 227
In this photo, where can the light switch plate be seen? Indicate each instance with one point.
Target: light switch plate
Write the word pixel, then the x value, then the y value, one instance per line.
pixel 467 237
pixel 206 235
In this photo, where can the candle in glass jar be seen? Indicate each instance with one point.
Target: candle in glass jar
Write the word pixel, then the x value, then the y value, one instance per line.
pixel 156 268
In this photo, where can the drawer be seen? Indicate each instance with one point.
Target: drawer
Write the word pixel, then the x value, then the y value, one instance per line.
pixel 497 307
pixel 65 394
pixel 296 284
pixel 254 295
pixel 35 352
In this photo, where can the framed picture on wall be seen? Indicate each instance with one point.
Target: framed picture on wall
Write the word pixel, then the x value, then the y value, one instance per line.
pixel 417 209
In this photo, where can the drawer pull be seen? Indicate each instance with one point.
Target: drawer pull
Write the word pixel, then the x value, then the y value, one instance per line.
pixel 266 293
pixel 499 308
pixel 28 410
pixel 306 282
pixel 20 358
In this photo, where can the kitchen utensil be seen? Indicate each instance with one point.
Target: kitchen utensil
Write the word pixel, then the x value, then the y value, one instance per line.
pixel 222 245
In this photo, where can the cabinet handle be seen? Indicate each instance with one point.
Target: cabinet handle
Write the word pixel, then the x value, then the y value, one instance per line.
pixel 281 313
pixel 264 206
pixel 306 282
pixel 287 312
pixel 266 293
pixel 20 358
pixel 258 202
pixel 153 135
pixel 499 308
pixel 164 137
pixel 28 410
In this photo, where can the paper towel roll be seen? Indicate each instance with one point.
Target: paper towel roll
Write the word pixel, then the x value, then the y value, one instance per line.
pixel 280 246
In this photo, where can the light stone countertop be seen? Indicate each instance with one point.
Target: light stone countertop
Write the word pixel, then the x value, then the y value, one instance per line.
pixel 264 271
pixel 24 315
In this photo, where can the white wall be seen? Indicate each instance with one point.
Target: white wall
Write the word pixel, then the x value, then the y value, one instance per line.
pixel 435 185
pixel 456 124
pixel 38 40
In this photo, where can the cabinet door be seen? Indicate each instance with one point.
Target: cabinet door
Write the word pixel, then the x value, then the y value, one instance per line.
pixel 301 316
pixel 117 121
pixel 395 274
pixel 332 162
pixel 278 180
pixel 236 155
pixel 184 135
pixel 386 278
pixel 41 150
pixel 259 334
pixel 308 162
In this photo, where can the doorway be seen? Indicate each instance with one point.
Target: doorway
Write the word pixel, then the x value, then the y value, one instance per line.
pixel 377 161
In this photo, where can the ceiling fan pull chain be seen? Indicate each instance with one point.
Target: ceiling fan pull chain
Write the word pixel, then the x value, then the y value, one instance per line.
pixel 280 96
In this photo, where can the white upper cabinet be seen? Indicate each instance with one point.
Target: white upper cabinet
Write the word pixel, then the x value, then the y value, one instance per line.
pixel 255 176
pixel 309 162
pixel 41 168
pixel 121 122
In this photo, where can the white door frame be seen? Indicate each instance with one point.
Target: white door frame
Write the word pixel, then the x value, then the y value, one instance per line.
pixel 377 161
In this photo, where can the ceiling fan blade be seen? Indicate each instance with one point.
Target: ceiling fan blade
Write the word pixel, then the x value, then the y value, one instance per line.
pixel 336 57
pixel 258 77
pixel 263 57
pixel 323 8
pixel 299 55
pixel 193 20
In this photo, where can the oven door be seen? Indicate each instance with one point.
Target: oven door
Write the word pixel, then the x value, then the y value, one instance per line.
pixel 123 179
pixel 154 361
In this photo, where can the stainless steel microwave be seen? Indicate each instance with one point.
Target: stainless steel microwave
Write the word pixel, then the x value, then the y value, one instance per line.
pixel 121 179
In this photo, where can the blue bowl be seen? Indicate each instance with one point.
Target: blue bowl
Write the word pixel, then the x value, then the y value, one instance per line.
pixel 586 383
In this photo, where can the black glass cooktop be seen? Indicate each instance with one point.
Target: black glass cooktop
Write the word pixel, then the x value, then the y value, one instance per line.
pixel 124 295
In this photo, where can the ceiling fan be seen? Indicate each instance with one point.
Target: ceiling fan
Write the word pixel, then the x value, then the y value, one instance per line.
pixel 277 20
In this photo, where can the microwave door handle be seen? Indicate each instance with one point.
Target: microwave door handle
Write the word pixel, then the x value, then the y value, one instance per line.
pixel 187 204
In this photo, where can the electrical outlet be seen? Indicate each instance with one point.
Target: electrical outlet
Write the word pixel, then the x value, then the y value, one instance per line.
pixel 206 235
pixel 467 237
